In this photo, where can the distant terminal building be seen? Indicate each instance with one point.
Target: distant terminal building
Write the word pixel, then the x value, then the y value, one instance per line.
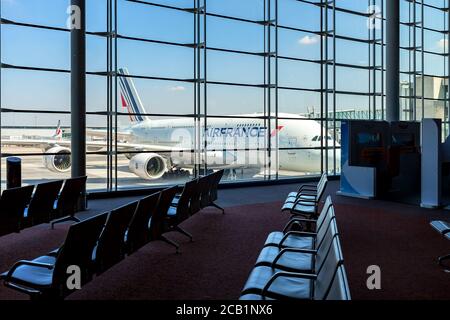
pixel 347 114
pixel 428 101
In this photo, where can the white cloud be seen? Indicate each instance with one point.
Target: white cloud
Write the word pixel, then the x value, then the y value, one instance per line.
pixel 177 88
pixel 443 43
pixel 308 40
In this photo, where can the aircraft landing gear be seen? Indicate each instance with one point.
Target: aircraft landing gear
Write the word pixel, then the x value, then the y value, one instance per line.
pixel 176 174
pixel 231 174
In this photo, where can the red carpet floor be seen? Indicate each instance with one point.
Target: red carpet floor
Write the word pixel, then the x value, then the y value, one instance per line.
pixel 217 263
pixel 404 246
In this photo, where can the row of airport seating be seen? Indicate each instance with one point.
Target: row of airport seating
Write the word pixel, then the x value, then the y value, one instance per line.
pixel 443 227
pixel 305 260
pixel 98 243
pixel 56 201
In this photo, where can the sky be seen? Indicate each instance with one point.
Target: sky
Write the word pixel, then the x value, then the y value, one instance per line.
pixel 51 49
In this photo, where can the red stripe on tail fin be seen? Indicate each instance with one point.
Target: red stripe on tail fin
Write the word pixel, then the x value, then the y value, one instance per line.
pixel 124 102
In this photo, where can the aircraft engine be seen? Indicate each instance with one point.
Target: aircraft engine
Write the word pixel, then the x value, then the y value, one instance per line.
pixel 57 159
pixel 148 166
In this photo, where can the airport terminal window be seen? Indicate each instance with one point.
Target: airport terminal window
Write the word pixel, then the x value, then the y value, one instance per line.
pixel 258 87
pixel 424 60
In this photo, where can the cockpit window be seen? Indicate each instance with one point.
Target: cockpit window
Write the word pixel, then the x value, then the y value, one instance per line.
pixel 315 138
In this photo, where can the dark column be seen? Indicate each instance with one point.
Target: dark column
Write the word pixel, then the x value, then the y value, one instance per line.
pixel 78 90
pixel 393 60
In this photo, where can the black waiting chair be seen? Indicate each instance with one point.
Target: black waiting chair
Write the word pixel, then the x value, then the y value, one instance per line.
pixel 159 223
pixel 68 200
pixel 308 191
pixel 267 283
pixel 213 194
pixel 303 260
pixel 181 211
pixel 443 228
pixel 307 207
pixel 46 276
pixel 205 195
pixel 137 234
pixel 12 206
pixel 110 248
pixel 288 238
pixel 196 199
pixel 42 203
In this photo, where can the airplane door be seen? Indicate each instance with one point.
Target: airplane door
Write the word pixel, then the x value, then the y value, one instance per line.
pixel 292 144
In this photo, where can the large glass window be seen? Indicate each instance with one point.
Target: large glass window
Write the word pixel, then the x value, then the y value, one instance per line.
pixel 176 88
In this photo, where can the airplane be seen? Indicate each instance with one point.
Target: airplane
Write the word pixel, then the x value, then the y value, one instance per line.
pixel 157 147
pixel 58 132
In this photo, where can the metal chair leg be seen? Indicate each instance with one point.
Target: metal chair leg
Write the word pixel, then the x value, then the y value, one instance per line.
pixel 187 234
pixel 218 207
pixel 172 243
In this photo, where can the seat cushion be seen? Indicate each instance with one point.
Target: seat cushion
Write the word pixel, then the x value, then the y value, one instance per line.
pixel 289 261
pixel 292 194
pixel 294 288
pixel 301 208
pixel 172 211
pixel 295 196
pixel 35 277
pixel 292 241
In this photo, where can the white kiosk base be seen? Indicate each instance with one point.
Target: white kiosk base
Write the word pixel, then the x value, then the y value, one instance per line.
pixel 431 194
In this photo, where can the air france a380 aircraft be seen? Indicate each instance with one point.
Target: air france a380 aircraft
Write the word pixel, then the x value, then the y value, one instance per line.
pixel 155 147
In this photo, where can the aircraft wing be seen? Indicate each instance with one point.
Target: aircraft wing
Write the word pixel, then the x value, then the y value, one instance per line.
pixel 104 134
pixel 90 145
pixel 32 142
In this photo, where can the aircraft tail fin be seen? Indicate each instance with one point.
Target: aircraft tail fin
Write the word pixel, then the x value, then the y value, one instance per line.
pixel 130 98
pixel 58 132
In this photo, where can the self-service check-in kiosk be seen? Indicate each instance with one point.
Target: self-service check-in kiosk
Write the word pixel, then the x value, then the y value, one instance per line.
pixel 363 152
pixel 433 159
pixel 379 158
pixel 404 160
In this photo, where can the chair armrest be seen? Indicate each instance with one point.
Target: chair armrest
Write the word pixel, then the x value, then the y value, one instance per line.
pixel 286 275
pixel 296 219
pixel 27 263
pixel 295 250
pixel 306 193
pixel 306 203
pixel 293 220
pixel 307 187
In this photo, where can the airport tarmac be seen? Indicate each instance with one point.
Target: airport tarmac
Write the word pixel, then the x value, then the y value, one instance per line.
pixel 34 171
